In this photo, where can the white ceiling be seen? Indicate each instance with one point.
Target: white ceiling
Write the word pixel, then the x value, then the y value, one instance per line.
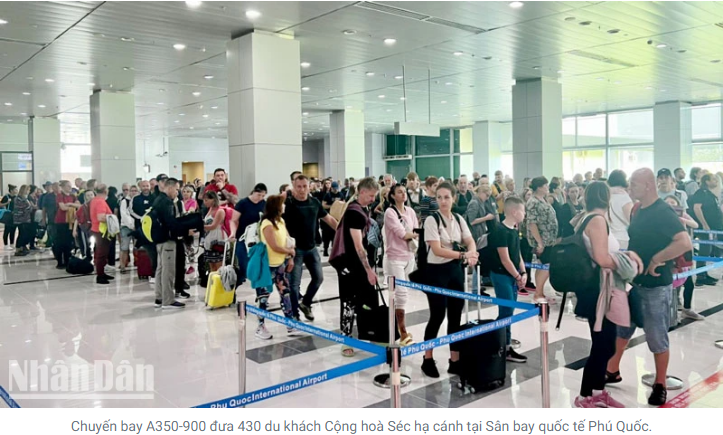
pixel 607 64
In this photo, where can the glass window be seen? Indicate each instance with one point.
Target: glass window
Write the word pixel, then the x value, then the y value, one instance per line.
pixel 630 159
pixel 399 168
pixel 706 122
pixel 568 132
pixel 429 146
pixel 463 141
pixel 463 164
pixel 581 161
pixel 708 156
pixel 437 166
pixel 630 127
pixel 590 130
pixel 17 162
pixel 398 145
pixel 506 164
pixel 506 137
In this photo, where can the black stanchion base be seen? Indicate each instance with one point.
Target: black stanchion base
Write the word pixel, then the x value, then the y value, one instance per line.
pixel 719 344
pixel 673 383
pixel 383 380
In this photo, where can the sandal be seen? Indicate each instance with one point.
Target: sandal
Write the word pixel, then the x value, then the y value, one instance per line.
pixel 612 378
pixel 406 339
pixel 347 351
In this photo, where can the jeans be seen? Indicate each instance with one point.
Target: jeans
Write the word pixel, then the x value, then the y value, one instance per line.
pixel 603 348
pixel 281 280
pixel 505 288
pixel 312 261
pixel 655 303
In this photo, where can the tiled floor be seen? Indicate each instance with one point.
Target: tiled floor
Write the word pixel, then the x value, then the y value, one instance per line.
pixel 46 315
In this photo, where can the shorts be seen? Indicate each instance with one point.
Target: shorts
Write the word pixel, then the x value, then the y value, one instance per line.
pixel 545 257
pixel 125 239
pixel 655 309
pixel 399 269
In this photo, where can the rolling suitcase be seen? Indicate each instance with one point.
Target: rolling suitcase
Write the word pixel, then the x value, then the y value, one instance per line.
pixel 216 295
pixel 483 358
pixel 142 261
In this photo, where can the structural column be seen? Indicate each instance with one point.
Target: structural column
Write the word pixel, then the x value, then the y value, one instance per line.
pixel 673 135
pixel 113 137
pixel 264 110
pixel 44 140
pixel 487 147
pixel 346 132
pixel 374 144
pixel 536 129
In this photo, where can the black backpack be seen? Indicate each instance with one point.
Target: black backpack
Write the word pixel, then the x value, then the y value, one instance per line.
pixel 419 276
pixel 571 265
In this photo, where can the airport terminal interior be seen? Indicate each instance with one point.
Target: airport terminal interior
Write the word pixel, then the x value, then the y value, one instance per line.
pixel 222 96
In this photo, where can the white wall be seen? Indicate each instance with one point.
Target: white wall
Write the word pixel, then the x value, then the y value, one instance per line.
pixel 153 147
pixel 212 152
pixel 373 154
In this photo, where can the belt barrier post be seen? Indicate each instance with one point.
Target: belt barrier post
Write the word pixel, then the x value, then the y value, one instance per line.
pixel 392 310
pixel 466 290
pixel 395 376
pixel 544 350
pixel 241 306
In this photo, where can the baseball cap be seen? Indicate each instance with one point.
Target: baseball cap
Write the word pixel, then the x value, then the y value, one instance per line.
pixel 47 183
pixel 161 177
pixel 665 172
pixel 334 185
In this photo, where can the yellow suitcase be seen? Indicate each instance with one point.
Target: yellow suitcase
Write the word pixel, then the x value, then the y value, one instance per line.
pixel 216 295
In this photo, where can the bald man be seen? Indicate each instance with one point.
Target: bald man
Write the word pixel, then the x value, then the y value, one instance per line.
pixel 658 237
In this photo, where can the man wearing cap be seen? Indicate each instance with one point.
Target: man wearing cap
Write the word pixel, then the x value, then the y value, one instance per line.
pixel 327 233
pixel 666 188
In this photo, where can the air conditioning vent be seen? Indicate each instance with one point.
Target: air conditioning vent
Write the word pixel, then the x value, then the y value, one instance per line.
pixel 593 56
pixel 393 11
pixel 447 23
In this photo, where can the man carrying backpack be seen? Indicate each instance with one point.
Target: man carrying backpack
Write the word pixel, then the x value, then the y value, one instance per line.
pixel 658 237
pixel 165 215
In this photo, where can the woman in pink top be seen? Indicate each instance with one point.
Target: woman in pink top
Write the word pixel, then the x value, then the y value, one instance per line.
pixel 190 204
pixel 400 245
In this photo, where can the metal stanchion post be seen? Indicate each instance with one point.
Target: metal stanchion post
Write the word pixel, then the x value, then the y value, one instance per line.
pixel 394 379
pixel 241 307
pixel 396 376
pixel 466 290
pixel 544 349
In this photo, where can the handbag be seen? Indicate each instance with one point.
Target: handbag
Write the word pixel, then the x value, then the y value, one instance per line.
pixel 373 322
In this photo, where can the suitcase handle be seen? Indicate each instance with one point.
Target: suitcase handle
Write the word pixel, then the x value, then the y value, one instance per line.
pixel 225 251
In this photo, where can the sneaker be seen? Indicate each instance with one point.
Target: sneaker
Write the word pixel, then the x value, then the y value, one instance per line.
pixel 658 396
pixel 584 402
pixel 151 280
pixel 158 303
pixel 580 319
pixel 293 332
pixel 454 368
pixel 183 295
pixel 102 280
pixel 690 314
pixel 109 269
pixel 262 333
pixel 515 357
pixel 307 311
pixel 515 344
pixel 9 247
pixel 523 292
pixel 705 281
pixel 176 304
pixel 429 368
pixel 605 400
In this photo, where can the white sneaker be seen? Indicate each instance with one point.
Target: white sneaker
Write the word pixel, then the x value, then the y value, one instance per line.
pixel 690 314
pixel 109 269
pixel 263 333
pixel 9 248
pixel 151 280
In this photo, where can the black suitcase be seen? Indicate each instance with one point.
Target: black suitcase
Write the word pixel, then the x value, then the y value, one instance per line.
pixel 483 359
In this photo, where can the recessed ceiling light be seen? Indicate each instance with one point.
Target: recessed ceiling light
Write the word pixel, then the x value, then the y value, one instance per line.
pixel 306 122
pixel 217 123
pixel 458 53
pixel 370 73
pixel 389 110
pixel 179 46
pixel 560 71
pixel 205 115
pixel 585 23
pixel 661 45
pixel 398 77
pixel 193 4
pixel 382 96
pixel 23 114
pixel 208 77
pixel 41 106
pixel 402 99
pixel 305 113
pixel 305 89
pixel 126 39
pixel 648 87
pixel 8 104
pixel 252 14
pixel 390 41
pixel 448 84
pixel 535 67
pixel 349 32
pixel 191 128
pixel 305 64
pixel 617 82
pixel 196 94
pixel 516 5
pixel 3 21
pixel 28 78
pixel 49 80
pixel 443 102
pixel 600 79
pixel 201 106
pixel 176 121
pixel 26 93
pixel 181 114
pixel 91 84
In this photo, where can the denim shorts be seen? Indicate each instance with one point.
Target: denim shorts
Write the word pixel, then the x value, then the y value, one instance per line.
pixel 125 239
pixel 655 305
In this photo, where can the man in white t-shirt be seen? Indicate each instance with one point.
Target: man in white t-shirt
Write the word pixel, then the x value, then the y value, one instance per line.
pixel 666 188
